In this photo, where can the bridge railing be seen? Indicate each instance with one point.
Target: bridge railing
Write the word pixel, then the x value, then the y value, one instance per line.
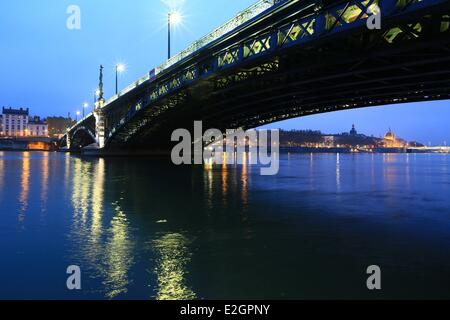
pixel 132 86
pixel 80 121
pixel 232 24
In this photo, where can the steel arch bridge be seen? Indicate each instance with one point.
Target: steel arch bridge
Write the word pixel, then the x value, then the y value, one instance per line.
pixel 277 60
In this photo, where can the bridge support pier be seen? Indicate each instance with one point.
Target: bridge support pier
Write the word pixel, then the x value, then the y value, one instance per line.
pixel 100 127
pixel 68 140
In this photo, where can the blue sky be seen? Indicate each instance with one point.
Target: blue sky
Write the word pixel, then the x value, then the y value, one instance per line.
pixel 53 70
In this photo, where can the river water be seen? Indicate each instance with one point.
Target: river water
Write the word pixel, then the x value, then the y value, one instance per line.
pixel 140 228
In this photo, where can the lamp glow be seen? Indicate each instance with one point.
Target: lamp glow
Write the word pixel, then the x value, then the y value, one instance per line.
pixel 120 67
pixel 175 18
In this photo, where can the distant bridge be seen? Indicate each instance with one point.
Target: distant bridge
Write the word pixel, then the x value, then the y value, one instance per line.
pixel 277 60
pixel 437 149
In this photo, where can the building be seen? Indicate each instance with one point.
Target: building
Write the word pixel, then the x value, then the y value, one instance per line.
pixel 37 127
pixel 391 141
pixel 353 131
pixel 18 123
pixel 329 141
pixel 14 122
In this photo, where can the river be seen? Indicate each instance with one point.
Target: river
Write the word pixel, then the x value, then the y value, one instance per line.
pixel 141 228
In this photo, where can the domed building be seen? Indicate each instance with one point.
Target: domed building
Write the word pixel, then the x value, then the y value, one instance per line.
pixel 391 141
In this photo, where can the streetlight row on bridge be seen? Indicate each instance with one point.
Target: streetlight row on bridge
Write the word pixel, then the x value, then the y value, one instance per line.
pixel 119 68
pixel 173 18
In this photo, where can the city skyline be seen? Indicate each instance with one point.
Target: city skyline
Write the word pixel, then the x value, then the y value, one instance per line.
pixel 312 120
pixel 423 122
pixel 40 37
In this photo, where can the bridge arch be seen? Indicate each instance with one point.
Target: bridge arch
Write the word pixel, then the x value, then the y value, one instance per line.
pixel 62 143
pixel 81 137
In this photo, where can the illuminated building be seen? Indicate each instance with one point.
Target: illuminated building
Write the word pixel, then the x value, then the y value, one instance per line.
pixel 37 128
pixel 391 141
pixel 18 123
pixel 329 140
pixel 14 122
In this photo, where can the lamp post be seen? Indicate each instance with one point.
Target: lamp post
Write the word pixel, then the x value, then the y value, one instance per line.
pixel 119 69
pixel 96 94
pixel 173 18
pixel 85 106
pixel 77 115
pixel 168 35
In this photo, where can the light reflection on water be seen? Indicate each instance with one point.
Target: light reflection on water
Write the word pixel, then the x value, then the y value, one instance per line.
pixel 105 247
pixel 338 172
pixel 25 186
pixel 45 168
pixel 171 267
pixel 144 229
pixel 118 255
pixel 2 174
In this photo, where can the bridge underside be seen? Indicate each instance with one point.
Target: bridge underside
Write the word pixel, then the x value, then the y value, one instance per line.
pixel 82 139
pixel 81 136
pixel 407 60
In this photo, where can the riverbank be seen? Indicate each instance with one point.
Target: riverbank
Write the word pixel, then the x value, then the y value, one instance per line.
pixel 363 150
pixel 28 144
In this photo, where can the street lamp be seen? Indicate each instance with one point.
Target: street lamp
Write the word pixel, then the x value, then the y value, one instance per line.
pixel 173 18
pixel 85 106
pixel 119 69
pixel 77 114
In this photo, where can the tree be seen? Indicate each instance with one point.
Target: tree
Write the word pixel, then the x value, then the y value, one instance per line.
pixel 58 125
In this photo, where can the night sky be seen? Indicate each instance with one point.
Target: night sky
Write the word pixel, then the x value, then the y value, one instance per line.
pixel 53 70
